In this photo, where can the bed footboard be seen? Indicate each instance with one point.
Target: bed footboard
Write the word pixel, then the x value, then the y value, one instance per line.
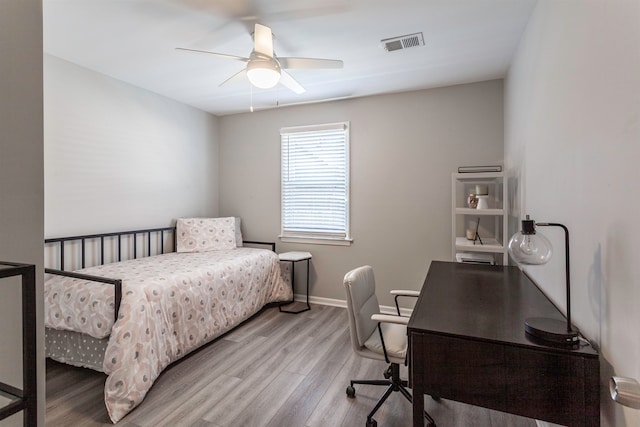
pixel 138 242
pixel 117 283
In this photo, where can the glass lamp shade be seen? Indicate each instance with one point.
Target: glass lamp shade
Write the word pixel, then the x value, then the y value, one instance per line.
pixel 530 248
pixel 263 74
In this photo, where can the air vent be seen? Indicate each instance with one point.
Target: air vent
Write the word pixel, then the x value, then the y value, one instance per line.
pixel 403 42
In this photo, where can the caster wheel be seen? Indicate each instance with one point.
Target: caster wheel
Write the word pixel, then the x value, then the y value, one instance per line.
pixel 351 392
pixel 387 374
pixel 371 423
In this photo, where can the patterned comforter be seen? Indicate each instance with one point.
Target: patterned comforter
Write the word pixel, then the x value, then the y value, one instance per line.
pixel 171 305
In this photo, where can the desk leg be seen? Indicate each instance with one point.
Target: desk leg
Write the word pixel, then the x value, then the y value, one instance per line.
pixel 416 369
pixel 293 276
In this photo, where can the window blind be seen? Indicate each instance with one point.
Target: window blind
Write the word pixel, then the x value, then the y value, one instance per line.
pixel 315 181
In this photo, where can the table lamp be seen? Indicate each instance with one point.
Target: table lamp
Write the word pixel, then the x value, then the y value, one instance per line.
pixel 529 247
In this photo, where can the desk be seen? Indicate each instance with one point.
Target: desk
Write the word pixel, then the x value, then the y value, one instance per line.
pixel 467 343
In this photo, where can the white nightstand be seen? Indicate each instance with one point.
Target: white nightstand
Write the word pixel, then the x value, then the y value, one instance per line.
pixel 294 257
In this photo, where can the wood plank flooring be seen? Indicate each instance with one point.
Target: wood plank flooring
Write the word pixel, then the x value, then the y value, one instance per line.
pixel 276 370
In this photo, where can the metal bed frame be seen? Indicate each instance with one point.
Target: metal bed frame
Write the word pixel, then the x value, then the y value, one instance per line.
pixel 117 283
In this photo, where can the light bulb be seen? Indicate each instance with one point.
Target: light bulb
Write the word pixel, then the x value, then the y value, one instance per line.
pixel 526 246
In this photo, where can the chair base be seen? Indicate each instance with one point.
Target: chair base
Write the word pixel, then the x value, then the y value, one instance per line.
pixel 393 383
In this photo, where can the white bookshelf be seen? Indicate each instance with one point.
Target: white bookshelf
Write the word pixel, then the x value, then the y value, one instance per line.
pixel 493 220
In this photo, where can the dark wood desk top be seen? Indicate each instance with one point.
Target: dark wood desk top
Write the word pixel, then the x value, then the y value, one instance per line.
pixel 487 303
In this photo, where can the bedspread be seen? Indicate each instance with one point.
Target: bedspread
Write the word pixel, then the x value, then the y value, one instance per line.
pixel 171 304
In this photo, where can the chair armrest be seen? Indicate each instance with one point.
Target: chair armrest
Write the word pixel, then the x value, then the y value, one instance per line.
pixel 389 318
pixel 403 293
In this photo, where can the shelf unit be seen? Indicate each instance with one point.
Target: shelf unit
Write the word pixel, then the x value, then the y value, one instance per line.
pixel 13 399
pixel 493 220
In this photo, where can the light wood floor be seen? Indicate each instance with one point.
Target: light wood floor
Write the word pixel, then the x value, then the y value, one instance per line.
pixel 276 370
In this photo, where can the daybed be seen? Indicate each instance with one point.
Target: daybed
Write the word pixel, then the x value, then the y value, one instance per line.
pixel 171 303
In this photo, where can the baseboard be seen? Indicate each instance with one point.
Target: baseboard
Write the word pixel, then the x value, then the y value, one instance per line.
pixel 385 309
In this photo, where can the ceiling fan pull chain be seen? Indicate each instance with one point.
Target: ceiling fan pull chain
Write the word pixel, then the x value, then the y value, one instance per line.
pixel 251 106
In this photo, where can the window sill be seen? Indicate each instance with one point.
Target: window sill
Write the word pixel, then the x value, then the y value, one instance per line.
pixel 316 240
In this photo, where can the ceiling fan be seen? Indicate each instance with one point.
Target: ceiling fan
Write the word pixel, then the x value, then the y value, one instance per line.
pixel 264 69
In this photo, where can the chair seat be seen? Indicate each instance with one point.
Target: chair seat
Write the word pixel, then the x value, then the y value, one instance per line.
pixel 395 340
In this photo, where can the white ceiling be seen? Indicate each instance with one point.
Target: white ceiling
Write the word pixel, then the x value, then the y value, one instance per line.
pixel 135 40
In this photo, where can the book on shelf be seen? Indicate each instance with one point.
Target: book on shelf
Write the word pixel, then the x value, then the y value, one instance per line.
pixel 475 258
pixel 473 169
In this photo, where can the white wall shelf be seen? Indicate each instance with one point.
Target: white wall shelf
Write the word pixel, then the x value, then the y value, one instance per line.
pixel 493 220
pixel 488 245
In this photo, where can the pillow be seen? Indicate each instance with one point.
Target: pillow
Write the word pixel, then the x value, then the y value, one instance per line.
pixel 238 233
pixel 205 234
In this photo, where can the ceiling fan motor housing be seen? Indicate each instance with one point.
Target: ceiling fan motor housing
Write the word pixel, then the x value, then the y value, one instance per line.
pixel 263 71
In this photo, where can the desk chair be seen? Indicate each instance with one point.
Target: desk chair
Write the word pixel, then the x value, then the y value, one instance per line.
pixel 376 336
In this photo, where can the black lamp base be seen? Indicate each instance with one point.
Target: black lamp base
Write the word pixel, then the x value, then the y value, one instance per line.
pixel 553 331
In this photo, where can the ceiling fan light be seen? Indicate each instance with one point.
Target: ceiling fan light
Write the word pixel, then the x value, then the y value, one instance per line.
pixel 263 74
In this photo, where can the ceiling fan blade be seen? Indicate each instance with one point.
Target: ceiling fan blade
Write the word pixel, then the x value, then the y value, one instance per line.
pixel 263 40
pixel 291 83
pixel 242 74
pixel 224 55
pixel 309 63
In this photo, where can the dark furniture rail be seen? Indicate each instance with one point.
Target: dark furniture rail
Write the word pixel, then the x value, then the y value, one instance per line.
pixel 119 234
pixel 117 283
pixel 272 244
pixel 24 399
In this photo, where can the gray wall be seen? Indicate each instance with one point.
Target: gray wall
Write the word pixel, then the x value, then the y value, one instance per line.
pixel 572 139
pixel 119 157
pixel 21 180
pixel 404 148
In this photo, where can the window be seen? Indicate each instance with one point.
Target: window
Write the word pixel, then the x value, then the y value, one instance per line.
pixel 315 184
